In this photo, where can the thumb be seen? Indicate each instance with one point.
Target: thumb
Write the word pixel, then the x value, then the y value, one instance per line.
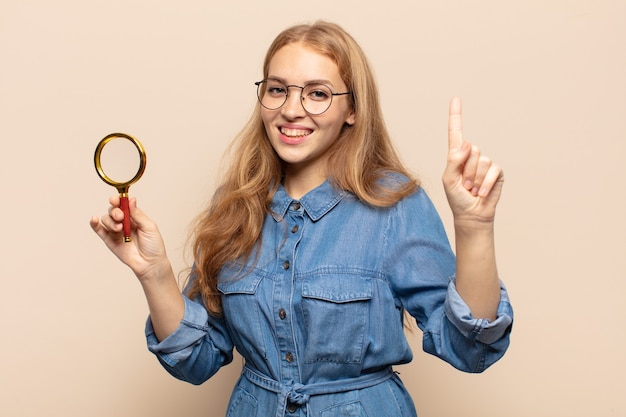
pixel 457 157
pixel 141 220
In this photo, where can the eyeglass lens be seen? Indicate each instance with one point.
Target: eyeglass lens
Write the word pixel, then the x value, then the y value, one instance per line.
pixel 315 98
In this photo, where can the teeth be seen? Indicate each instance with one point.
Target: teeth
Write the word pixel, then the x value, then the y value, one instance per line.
pixel 294 132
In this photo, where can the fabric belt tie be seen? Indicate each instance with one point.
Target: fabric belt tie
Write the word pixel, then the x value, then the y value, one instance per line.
pixel 300 394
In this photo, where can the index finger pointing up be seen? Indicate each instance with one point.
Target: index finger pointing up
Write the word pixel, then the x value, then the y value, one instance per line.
pixel 455 124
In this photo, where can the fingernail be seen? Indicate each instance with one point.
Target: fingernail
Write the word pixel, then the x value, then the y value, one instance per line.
pixel 468 184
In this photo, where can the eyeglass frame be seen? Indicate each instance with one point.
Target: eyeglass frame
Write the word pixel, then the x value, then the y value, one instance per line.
pixel 288 86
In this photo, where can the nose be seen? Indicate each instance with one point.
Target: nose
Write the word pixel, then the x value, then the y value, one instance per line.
pixel 293 105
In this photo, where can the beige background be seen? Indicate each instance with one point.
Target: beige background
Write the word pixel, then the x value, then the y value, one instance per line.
pixel 544 89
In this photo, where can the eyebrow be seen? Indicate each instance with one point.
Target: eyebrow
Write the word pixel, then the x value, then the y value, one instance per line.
pixel 319 81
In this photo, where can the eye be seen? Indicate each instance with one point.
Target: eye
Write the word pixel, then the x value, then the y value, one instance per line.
pixel 275 88
pixel 276 91
pixel 317 92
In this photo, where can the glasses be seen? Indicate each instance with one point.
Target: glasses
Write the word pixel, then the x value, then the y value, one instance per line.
pixel 315 98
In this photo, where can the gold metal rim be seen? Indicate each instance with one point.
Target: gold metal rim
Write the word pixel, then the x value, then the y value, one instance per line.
pixel 122 187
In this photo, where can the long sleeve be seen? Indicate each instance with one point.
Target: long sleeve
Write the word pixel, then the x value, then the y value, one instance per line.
pixel 197 349
pixel 421 268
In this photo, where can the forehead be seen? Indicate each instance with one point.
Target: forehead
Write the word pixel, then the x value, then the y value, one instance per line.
pixel 298 63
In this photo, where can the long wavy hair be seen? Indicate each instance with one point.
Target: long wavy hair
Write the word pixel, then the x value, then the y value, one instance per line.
pixel 359 160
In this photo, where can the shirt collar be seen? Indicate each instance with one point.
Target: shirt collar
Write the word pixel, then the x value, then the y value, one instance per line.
pixel 316 203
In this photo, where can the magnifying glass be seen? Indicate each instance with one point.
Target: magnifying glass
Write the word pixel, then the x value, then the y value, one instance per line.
pixel 116 158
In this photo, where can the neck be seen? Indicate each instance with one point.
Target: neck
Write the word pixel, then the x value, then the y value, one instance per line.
pixel 299 182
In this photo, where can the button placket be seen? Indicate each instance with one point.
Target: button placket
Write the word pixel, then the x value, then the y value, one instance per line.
pixel 294 219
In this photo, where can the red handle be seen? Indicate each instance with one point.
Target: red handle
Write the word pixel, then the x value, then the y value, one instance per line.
pixel 126 223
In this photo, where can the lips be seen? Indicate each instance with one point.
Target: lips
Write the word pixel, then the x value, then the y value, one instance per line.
pixel 294 135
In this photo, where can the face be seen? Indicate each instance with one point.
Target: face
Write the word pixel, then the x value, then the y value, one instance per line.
pixel 300 139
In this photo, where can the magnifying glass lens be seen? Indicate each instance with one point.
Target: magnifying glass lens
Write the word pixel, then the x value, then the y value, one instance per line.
pixel 119 159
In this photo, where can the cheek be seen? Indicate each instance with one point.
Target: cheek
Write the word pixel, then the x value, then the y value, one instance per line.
pixel 335 125
pixel 267 119
pixel 264 116
pixel 340 117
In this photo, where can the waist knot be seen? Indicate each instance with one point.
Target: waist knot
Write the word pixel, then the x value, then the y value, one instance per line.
pixel 297 393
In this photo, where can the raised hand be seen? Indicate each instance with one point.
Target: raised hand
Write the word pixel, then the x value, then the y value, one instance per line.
pixel 146 254
pixel 473 183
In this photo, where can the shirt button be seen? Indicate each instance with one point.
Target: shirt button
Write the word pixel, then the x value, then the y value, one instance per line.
pixel 286 265
pixel 282 314
pixel 296 206
pixel 292 408
pixel 289 357
pixel 294 229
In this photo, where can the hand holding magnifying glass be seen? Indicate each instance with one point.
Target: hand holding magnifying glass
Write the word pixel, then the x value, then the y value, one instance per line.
pixel 121 186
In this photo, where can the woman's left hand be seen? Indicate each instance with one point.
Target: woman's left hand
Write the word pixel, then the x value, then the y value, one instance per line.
pixel 473 183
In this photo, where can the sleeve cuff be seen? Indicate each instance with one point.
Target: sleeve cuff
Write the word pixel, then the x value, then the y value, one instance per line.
pixel 481 330
pixel 179 345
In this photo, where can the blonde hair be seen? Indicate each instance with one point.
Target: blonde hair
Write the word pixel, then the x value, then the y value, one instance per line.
pixel 359 161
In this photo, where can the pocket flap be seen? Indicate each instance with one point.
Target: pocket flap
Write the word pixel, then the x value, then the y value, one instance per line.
pixel 234 281
pixel 338 288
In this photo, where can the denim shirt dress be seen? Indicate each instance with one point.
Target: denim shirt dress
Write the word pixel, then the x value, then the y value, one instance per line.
pixel 317 312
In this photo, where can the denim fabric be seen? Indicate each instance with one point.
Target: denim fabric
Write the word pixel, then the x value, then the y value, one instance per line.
pixel 322 299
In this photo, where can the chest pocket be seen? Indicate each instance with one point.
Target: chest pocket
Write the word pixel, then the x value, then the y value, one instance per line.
pixel 335 308
pixel 240 300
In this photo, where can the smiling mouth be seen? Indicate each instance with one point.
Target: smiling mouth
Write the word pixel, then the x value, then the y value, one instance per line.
pixel 295 133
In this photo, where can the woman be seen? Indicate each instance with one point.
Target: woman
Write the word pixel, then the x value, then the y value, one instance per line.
pixel 317 243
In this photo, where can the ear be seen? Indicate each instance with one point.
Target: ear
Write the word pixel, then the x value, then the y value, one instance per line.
pixel 351 118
